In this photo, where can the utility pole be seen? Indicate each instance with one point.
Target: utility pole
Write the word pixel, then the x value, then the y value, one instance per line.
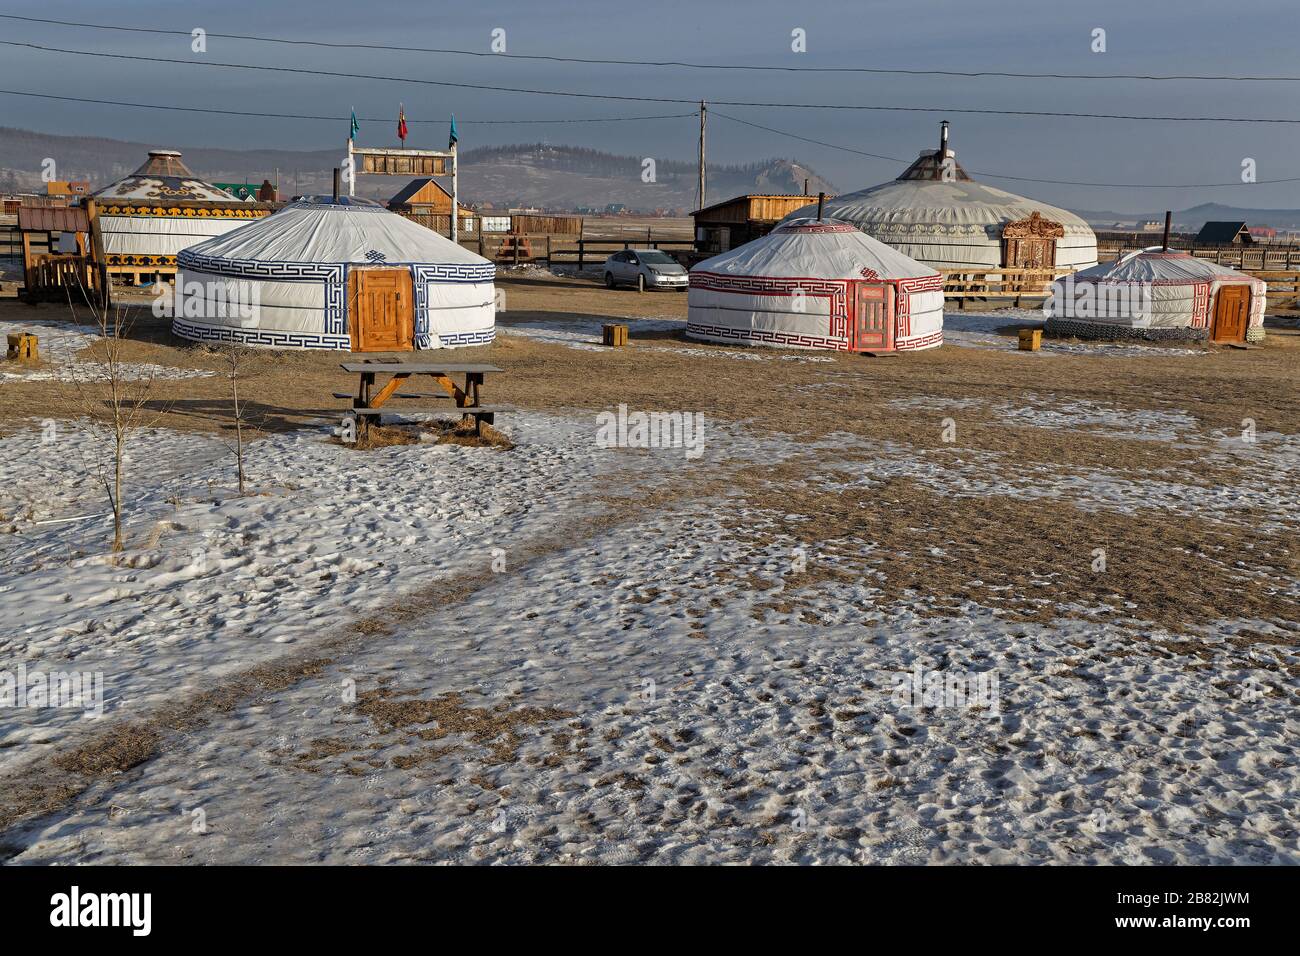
pixel 704 112
pixel 455 198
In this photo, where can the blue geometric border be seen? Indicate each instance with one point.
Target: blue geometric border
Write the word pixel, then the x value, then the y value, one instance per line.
pixel 198 332
pixel 452 340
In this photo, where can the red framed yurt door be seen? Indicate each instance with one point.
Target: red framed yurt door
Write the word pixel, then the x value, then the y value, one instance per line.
pixel 872 325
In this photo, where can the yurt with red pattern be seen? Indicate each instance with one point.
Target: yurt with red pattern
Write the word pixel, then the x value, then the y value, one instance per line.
pixel 816 284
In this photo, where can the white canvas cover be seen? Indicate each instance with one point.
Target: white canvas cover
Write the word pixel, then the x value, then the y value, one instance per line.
pixel 295 264
pixel 792 288
pixel 160 235
pixel 1152 288
pixel 953 224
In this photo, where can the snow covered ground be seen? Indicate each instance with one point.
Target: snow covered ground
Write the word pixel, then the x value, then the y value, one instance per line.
pixel 963 329
pixel 58 345
pixel 620 698
pixel 586 335
pixel 978 330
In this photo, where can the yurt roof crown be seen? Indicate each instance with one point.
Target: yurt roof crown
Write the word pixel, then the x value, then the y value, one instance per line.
pixel 930 163
pixel 164 176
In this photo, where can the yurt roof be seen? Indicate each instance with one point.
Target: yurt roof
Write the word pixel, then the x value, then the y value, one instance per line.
pixel 164 176
pixel 1157 265
pixel 929 201
pixel 816 248
pixel 344 230
pixel 923 196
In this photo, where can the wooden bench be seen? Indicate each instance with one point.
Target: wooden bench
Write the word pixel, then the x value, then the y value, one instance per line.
pixel 368 404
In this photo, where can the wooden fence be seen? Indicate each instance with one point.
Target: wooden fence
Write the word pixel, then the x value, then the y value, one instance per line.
pixel 1283 284
pixel 1259 257
pixel 11 240
pixel 997 284
pixel 520 249
pixel 56 276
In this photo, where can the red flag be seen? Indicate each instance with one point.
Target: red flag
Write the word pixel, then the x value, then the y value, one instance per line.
pixel 401 124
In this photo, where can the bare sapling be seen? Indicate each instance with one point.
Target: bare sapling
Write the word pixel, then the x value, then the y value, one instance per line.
pixel 114 400
pixel 235 358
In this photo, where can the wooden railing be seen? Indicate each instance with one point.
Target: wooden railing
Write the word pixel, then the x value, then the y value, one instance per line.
pixel 1283 284
pixel 57 276
pixel 1258 257
pixel 517 249
pixel 997 283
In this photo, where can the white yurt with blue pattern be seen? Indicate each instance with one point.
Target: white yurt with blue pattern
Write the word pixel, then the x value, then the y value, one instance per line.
pixel 294 266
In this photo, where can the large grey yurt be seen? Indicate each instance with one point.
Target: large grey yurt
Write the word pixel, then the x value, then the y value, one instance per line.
pixel 936 214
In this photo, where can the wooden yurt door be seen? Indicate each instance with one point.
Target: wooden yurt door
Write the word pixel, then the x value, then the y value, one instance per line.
pixel 382 310
pixel 1231 314
pixel 871 327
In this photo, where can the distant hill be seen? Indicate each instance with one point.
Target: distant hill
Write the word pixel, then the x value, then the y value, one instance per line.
pixel 1191 220
pixel 553 177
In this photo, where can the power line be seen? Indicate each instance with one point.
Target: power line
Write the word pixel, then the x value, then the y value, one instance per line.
pixel 335 119
pixel 647 99
pixel 987 175
pixel 670 63
pixel 620 119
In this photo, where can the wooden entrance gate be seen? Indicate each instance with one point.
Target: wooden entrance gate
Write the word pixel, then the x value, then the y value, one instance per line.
pixel 1030 243
pixel 381 310
pixel 1231 314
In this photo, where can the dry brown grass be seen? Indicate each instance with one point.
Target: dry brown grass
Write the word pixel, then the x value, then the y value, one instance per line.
pixel 496 728
pixel 380 436
pixel 116 750
pixel 1028 558
pixel 462 432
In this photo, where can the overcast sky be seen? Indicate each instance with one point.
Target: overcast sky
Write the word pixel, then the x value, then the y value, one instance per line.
pixel 1257 37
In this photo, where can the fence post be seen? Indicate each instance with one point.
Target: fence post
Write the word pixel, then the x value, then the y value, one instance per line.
pixel 581 251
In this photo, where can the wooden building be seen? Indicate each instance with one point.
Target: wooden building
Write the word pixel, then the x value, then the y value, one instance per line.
pixel 426 202
pixel 67 190
pixel 733 223
pixel 56 253
pixel 427 197
pixel 1224 234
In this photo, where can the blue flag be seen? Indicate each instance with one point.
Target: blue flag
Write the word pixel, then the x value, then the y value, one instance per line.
pixel 356 127
pixel 451 141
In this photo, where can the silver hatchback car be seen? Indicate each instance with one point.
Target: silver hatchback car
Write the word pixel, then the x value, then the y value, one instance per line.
pixel 645 269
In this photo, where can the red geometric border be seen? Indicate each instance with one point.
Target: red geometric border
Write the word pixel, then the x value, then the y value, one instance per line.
pixel 1200 305
pixel 922 342
pixel 776 338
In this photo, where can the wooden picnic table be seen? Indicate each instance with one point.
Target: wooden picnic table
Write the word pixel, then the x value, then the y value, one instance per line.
pixel 368 403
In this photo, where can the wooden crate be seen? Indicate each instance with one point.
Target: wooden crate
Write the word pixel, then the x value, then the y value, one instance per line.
pixel 615 335
pixel 23 347
pixel 1031 340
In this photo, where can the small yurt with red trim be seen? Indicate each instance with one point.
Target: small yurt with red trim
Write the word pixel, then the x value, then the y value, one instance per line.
pixel 816 284
pixel 1158 294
